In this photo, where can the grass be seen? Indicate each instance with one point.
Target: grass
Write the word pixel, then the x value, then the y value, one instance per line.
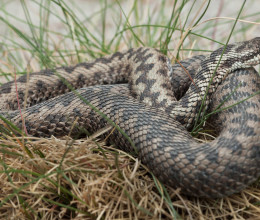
pixel 85 179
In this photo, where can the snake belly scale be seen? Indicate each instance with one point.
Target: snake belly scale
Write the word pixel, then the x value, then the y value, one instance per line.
pixel 153 113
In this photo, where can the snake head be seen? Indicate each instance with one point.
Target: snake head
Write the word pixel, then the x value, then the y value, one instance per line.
pixel 238 55
pixel 248 52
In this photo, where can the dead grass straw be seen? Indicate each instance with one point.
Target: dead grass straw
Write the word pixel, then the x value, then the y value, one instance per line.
pixel 84 179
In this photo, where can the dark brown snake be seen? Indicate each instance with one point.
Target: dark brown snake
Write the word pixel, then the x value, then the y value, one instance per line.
pixel 147 111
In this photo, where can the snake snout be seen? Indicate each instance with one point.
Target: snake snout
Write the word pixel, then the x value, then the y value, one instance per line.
pixel 255 41
pixel 254 46
pixel 252 56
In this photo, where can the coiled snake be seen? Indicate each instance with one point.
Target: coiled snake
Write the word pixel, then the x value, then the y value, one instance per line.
pixel 147 110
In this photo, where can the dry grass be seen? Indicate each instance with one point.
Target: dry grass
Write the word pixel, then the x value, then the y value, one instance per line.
pixel 84 179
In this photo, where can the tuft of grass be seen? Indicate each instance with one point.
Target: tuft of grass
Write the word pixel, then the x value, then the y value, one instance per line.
pixel 65 178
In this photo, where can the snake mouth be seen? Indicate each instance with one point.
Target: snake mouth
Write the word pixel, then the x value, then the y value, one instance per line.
pixel 254 61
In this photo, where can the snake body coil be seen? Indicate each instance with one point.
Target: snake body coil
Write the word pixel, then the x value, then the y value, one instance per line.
pixel 147 110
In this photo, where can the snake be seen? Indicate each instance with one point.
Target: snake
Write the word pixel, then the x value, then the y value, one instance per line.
pixel 153 106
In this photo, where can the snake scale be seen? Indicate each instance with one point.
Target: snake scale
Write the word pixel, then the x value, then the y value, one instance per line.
pixel 154 110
